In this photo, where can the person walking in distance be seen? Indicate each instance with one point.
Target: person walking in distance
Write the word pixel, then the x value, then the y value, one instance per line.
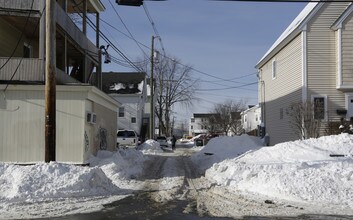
pixel 173 142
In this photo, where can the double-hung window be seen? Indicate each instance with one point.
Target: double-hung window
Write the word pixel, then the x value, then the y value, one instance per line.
pixel 320 105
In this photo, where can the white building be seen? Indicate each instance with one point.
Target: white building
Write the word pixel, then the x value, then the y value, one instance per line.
pixel 251 118
pixel 130 90
pixel 199 124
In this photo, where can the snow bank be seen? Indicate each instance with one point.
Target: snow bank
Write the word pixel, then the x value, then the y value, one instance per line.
pixel 54 180
pixel 221 148
pixel 123 164
pixel 150 147
pixel 300 171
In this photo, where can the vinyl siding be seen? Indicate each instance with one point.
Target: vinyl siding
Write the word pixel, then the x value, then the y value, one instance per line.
pixel 322 58
pixel 280 92
pixel 347 52
pixel 22 114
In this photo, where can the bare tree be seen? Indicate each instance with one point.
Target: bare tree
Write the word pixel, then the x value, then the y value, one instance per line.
pixel 305 118
pixel 227 116
pixel 174 85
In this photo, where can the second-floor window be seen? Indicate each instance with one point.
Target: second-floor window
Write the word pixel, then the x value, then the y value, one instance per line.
pixel 192 120
pixel 274 69
pixel 121 112
pixel 133 120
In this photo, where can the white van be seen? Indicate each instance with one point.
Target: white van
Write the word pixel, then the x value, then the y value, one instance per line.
pixel 126 138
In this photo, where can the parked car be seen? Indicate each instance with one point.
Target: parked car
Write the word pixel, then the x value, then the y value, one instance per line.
pixel 126 138
pixel 162 140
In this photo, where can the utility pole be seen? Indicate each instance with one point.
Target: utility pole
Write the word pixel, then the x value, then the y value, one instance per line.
pixel 50 83
pixel 152 90
pixel 152 93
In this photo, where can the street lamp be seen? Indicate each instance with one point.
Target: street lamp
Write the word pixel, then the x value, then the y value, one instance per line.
pixel 152 90
pixel 130 2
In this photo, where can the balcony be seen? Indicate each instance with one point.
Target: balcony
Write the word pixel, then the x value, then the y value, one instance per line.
pixel 29 70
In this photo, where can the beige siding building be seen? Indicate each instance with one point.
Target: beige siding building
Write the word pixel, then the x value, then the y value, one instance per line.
pixel 310 61
pixel 84 125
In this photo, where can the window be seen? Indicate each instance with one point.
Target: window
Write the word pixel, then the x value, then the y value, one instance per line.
pixel 192 120
pixel 192 127
pixel 121 112
pixel 274 67
pixel 133 120
pixel 256 117
pixel 244 118
pixel 319 107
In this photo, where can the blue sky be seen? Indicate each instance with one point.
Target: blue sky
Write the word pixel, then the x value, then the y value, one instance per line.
pixel 224 39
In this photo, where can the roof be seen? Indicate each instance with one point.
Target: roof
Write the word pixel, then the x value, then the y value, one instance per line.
pixel 203 115
pixel 292 31
pixel 123 83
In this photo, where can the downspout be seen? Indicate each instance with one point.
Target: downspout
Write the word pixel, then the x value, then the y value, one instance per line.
pixel 304 74
pixel 339 58
pixel 304 65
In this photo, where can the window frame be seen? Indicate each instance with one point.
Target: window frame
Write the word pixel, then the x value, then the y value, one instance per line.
pixel 274 69
pixel 121 113
pixel 324 97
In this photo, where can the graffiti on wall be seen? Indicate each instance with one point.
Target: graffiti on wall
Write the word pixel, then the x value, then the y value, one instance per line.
pixel 86 142
pixel 103 143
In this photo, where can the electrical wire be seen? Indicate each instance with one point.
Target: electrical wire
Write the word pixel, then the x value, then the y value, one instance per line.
pixel 234 87
pixel 19 40
pixel 29 43
pixel 107 40
pixel 116 12
pixel 153 26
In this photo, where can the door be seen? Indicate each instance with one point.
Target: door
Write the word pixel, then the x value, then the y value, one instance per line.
pixel 349 106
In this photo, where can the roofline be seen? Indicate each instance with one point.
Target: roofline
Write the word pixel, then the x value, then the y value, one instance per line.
pixel 338 24
pixel 98 5
pixel 288 35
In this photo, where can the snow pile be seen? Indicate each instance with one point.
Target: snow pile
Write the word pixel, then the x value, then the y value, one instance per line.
pixel 300 171
pixel 150 147
pixel 123 164
pixel 221 148
pixel 49 181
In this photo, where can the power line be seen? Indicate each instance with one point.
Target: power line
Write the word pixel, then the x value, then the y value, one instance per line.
pixel 116 12
pixel 29 43
pixel 91 23
pixel 19 40
pixel 234 87
pixel 153 26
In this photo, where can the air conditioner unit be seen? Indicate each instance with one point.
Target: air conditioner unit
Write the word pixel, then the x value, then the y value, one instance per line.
pixel 91 117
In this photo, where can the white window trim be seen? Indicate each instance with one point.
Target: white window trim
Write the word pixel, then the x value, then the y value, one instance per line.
pixel 325 104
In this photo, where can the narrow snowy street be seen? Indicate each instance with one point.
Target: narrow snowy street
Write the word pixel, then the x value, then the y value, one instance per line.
pixel 172 187
pixel 233 177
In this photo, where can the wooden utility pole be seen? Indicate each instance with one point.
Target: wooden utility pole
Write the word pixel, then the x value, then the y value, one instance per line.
pixel 50 83
pixel 152 93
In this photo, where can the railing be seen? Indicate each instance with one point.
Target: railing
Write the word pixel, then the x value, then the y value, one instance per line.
pixel 29 69
pixel 21 69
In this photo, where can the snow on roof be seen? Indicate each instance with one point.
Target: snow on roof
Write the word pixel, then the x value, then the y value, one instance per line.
pixel 290 29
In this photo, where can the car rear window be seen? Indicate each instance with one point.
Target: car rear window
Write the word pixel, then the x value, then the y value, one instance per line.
pixel 126 134
pixel 161 138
